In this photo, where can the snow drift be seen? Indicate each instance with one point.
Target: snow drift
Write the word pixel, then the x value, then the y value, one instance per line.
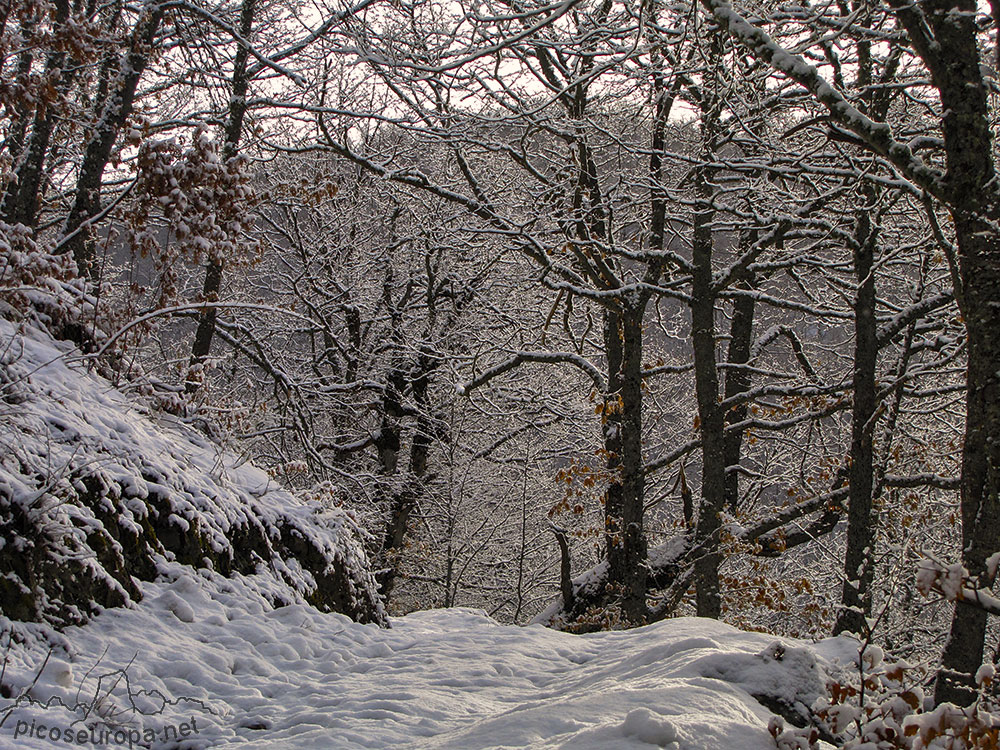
pixel 233 634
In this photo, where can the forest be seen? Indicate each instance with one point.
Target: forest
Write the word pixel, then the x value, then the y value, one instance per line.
pixel 588 313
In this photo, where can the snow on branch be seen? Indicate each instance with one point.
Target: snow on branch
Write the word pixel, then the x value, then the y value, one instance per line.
pixel 897 323
pixel 193 307
pixel 552 13
pixel 923 480
pixel 263 59
pixel 543 357
pixel 955 584
pixel 877 135
pixel 773 333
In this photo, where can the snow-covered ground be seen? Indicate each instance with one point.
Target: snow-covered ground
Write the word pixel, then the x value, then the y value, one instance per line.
pixel 101 491
pixel 199 660
pixel 237 673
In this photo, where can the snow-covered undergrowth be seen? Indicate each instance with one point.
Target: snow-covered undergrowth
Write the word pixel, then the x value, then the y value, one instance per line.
pixel 211 655
pixel 97 494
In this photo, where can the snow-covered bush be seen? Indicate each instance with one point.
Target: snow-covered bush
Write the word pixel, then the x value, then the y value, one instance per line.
pixel 38 285
pixel 881 705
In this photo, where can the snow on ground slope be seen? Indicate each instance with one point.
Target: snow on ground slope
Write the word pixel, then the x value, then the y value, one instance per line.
pixel 97 493
pixel 210 656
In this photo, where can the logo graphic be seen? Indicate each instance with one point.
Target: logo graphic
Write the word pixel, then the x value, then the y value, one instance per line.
pixel 106 708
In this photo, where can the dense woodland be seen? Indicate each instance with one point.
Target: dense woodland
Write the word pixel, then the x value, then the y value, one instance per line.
pixel 595 311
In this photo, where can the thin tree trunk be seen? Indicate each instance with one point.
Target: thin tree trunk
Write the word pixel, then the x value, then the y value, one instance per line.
pixel 710 416
pixel 708 598
pixel 624 538
pixel 212 286
pixel 113 116
pixel 737 381
pixel 633 479
pixel 858 559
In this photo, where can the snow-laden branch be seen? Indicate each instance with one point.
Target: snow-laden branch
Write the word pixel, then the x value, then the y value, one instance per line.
pixel 773 333
pixel 96 218
pixel 901 320
pixel 263 59
pixel 877 135
pixel 555 12
pixel 194 307
pixel 543 357
pixel 301 44
pixel 955 584
pixel 922 480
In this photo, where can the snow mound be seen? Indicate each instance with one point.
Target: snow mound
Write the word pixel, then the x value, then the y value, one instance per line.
pixel 98 495
pixel 240 674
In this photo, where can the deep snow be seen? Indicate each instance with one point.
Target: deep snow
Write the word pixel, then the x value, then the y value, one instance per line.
pixel 255 677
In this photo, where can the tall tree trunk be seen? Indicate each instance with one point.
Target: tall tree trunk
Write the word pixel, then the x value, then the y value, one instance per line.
pixel 113 115
pixel 974 202
pixel 14 143
pixel 710 415
pixel 858 559
pixel 708 597
pixel 212 286
pixel 624 502
pixel 979 250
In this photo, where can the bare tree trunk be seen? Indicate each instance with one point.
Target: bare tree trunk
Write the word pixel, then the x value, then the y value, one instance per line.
pixel 624 537
pixel 737 382
pixel 858 559
pixel 980 491
pixel 20 203
pixel 975 205
pixel 710 416
pixel 205 332
pixel 633 478
pixel 113 115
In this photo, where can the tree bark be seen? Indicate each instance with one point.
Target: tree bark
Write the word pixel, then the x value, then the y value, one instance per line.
pixel 710 415
pixel 113 115
pixel 202 344
pixel 974 202
pixel 856 593
pixel 624 501
pixel 708 597
pixel 737 381
pixel 980 489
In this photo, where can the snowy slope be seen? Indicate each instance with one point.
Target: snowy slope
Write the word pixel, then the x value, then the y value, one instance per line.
pixel 250 676
pixel 97 493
